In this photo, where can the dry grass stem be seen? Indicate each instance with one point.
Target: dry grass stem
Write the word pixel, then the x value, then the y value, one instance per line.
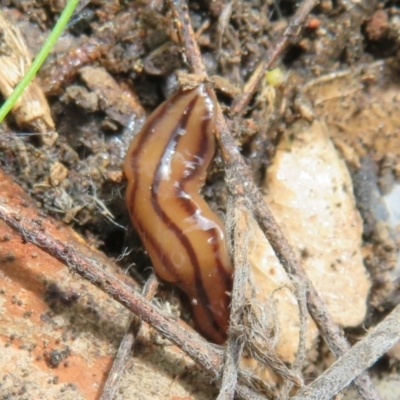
pixel 358 359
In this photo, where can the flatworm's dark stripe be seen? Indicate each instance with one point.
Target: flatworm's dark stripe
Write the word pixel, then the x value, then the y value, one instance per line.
pixel 226 277
pixel 201 150
pixel 134 156
pixel 146 235
pixel 173 143
pixel 134 159
pixel 190 207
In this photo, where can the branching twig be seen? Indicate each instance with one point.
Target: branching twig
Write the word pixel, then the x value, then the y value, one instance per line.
pixel 272 54
pixel 241 184
pixel 358 359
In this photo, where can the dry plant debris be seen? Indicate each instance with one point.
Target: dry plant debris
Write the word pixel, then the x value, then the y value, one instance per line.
pixel 31 110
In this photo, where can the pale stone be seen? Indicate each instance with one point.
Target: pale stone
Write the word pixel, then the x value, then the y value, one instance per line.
pixel 310 194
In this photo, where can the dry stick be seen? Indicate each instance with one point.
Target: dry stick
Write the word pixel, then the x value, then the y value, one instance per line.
pixel 188 39
pixel 197 348
pixel 301 295
pixel 233 352
pixel 241 184
pixel 272 54
pixel 302 348
pixel 125 348
pixel 241 280
pixel 360 357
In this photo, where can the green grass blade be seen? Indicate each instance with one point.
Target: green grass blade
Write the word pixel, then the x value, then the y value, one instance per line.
pixel 40 58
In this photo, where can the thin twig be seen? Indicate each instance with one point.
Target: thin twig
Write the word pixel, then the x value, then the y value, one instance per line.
pixel 303 314
pixel 302 348
pixel 241 280
pixel 204 353
pixel 279 45
pixel 241 184
pixel 126 345
pixel 358 359
pixel 188 38
pixel 233 352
